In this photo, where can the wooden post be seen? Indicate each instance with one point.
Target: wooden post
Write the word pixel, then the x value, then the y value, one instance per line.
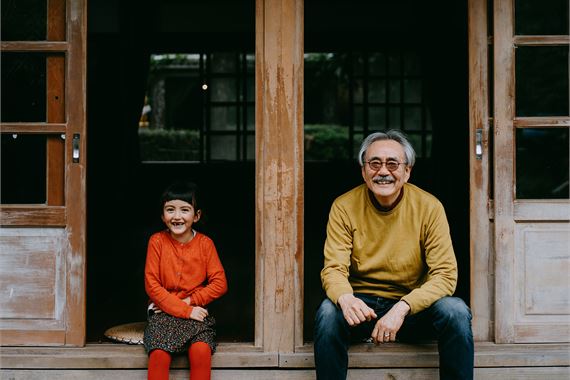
pixel 75 172
pixel 480 233
pixel 504 177
pixel 279 174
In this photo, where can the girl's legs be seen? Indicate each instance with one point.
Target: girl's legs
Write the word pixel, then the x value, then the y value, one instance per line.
pixel 158 365
pixel 200 357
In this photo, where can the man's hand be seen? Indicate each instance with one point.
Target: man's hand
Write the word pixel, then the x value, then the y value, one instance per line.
pixel 198 313
pixel 354 310
pixel 388 326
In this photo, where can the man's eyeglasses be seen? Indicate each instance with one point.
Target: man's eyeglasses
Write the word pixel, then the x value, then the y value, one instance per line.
pixel 392 166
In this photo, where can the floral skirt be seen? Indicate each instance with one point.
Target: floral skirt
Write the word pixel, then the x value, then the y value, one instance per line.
pixel 172 334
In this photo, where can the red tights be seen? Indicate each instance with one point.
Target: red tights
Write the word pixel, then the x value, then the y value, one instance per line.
pixel 200 357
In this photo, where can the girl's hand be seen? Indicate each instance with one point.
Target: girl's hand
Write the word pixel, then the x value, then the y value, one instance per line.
pixel 198 313
pixel 187 300
pixel 156 309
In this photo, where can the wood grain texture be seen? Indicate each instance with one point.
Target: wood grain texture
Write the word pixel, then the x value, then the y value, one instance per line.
pixel 279 174
pixel 504 149
pixel 75 173
pixel 479 223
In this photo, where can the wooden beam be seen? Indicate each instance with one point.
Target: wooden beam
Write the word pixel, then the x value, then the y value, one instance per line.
pixel 34 46
pixel 33 128
pixel 75 172
pixel 279 174
pixel 542 122
pixel 32 215
pixel 542 40
pixel 504 156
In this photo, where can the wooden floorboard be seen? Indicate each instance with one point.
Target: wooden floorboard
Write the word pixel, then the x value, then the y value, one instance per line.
pixel 127 357
pixel 520 373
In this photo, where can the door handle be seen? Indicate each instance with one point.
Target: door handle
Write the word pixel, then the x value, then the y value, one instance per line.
pixel 75 146
pixel 479 143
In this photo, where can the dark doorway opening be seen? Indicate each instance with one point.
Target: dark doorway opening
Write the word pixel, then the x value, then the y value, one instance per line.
pixel 396 65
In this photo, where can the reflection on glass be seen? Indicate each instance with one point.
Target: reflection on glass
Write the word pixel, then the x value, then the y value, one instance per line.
pixel 223 148
pixel 377 91
pixel 358 91
pixel 412 64
pixel 358 118
pixel 24 20
pixel 377 64
pixel 23 169
pixel 23 87
pixel 394 63
pixel 251 118
pixel 223 62
pixel 223 89
pixel 413 118
pixel 223 118
pixel 250 147
pixel 394 118
pixel 539 17
pixel 394 91
pixel 377 117
pixel 542 163
pixel 250 89
pixel 416 141
pixel 542 81
pixel 412 91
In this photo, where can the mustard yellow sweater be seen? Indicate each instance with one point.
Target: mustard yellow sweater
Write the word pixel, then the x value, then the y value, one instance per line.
pixel 405 253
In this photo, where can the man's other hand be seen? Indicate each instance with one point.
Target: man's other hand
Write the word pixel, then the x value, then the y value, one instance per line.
pixel 354 310
pixel 388 326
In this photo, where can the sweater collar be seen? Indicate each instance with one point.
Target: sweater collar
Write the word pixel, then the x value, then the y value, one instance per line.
pixel 381 208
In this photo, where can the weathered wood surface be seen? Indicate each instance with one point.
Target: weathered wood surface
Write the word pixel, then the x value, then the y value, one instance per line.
pixel 279 174
pixel 123 356
pixel 480 243
pixel 273 374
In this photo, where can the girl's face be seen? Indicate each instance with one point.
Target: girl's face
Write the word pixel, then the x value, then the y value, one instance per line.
pixel 179 216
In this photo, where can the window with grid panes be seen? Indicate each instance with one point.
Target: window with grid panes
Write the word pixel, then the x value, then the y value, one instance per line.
pixel 351 94
pixel 199 108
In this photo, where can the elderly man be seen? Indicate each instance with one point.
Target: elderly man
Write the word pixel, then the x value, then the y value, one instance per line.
pixel 390 269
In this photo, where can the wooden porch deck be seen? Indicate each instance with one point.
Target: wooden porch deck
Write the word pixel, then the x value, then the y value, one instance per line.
pixel 242 361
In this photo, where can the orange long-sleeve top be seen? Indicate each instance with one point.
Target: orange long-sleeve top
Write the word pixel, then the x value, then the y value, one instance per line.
pixel 174 271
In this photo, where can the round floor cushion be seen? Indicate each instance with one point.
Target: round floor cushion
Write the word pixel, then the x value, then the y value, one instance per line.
pixel 131 333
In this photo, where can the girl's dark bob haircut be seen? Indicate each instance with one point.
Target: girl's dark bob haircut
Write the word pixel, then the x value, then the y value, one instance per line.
pixel 181 190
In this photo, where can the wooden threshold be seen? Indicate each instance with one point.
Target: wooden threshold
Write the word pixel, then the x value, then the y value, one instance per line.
pixel 243 355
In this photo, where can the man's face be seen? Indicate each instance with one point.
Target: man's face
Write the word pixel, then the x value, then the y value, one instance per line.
pixel 385 184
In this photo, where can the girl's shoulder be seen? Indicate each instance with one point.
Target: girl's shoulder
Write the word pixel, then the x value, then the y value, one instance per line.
pixel 203 239
pixel 159 237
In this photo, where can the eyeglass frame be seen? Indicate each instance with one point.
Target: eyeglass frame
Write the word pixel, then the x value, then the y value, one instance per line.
pixel 385 163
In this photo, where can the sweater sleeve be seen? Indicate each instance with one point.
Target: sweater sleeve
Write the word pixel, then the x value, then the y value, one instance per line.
pixel 166 301
pixel 337 251
pixel 441 277
pixel 217 284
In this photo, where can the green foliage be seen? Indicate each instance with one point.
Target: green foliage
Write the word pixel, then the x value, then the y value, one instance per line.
pixel 326 142
pixel 169 145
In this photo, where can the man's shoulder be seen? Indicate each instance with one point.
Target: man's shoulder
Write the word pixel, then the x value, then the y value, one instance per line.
pixel 420 194
pixel 351 195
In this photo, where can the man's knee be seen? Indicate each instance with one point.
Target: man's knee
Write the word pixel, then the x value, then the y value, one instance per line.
pixel 328 317
pixel 453 310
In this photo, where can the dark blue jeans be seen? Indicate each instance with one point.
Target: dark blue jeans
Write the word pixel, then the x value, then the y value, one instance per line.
pixel 448 320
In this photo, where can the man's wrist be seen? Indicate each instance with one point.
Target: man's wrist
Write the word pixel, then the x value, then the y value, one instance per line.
pixel 403 307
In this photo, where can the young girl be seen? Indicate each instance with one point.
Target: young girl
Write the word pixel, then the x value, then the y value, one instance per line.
pixel 183 274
